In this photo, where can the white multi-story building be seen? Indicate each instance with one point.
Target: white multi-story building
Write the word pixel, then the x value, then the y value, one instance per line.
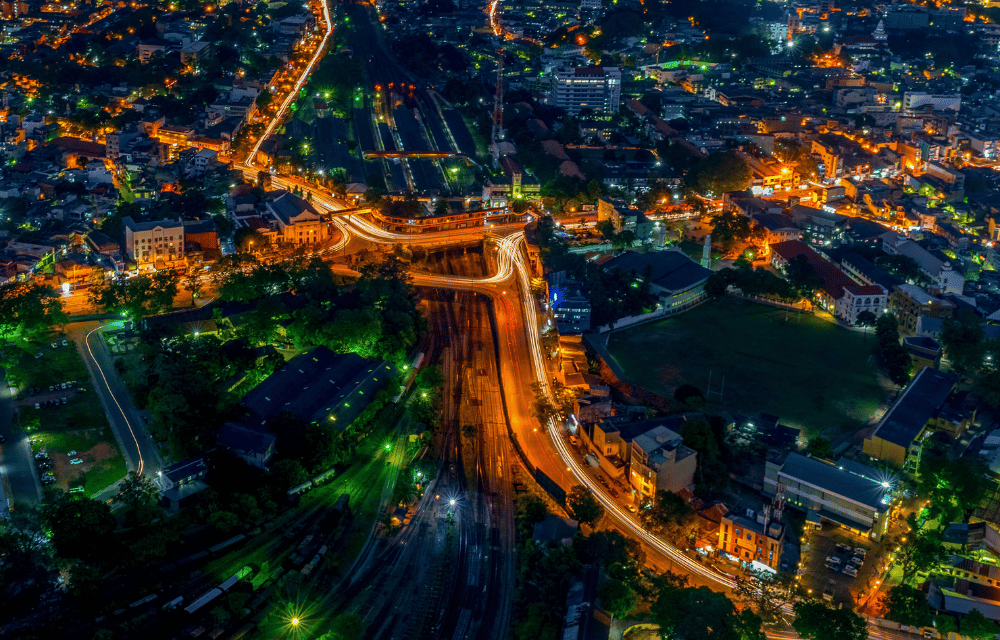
pixel 596 88
pixel 150 241
pixel 940 102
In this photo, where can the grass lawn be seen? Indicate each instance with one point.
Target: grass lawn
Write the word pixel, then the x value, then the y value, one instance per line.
pixel 53 367
pixel 809 372
pixel 79 425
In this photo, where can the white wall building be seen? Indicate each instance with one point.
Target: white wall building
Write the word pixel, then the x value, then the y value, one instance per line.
pixel 596 88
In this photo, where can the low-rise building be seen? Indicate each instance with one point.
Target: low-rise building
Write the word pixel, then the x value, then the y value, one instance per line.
pixel 297 221
pixel 752 541
pixel 927 405
pixel 910 303
pixel 674 278
pixel 848 493
pixel 254 446
pixel 840 295
pixel 147 242
pixel 647 455
pixel 320 385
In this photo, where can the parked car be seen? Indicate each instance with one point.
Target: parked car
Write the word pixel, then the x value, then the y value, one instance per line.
pixel 632 508
pixel 48 480
pixel 52 388
pixel 828 591
pixel 65 344
pixel 38 355
pixel 833 560
pixel 843 547
pixel 38 405
pixel 857 561
pixel 64 400
pixel 860 551
pixel 76 461
pixel 41 455
pixel 62 386
pixel 55 346
pixel 71 453
pixel 851 570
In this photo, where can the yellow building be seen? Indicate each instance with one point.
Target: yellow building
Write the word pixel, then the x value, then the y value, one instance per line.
pixel 927 405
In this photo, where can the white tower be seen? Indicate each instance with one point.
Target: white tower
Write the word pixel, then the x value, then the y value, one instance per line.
pixel 706 252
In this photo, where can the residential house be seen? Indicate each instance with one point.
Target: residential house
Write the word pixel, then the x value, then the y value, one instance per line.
pixel 648 455
pixel 910 303
pixel 254 446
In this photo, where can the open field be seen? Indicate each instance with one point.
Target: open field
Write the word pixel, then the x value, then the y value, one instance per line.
pixel 810 373
pixel 80 425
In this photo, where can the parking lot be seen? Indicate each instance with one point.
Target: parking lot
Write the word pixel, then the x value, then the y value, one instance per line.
pixel 840 546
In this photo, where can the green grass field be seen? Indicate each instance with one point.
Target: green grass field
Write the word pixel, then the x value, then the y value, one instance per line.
pixel 809 372
pixel 79 425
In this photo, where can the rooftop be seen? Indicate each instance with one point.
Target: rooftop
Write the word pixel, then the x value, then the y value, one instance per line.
pixel 920 402
pixel 852 480
pixel 670 270
pixel 320 385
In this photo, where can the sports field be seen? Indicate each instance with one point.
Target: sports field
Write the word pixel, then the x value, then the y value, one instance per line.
pixel 810 373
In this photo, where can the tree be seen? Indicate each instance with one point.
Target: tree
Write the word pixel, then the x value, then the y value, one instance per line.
pixel 348 626
pixel 729 229
pixel 136 297
pixel 670 516
pixel 819 447
pixel 721 173
pixel 802 276
pixel 139 495
pixel 907 605
pixel 901 266
pixel 703 614
pixel 977 626
pixel 29 309
pixel 866 319
pixel 469 431
pixel 542 407
pixel 81 528
pixel 767 594
pixel 816 621
pixel 690 396
pixel 286 474
pixel 583 506
pixel 962 338
pixel 617 598
pixel 921 552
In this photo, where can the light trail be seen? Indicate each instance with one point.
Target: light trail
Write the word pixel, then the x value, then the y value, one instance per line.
pixel 298 85
pixel 138 452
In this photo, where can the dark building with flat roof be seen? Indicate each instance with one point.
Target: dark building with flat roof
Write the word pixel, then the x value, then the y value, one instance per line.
pixel 320 385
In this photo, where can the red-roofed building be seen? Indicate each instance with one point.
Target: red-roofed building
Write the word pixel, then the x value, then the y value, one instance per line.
pixel 840 295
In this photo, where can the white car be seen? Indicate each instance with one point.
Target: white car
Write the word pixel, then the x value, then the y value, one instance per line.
pixel 71 453
pixel 851 570
pixel 76 461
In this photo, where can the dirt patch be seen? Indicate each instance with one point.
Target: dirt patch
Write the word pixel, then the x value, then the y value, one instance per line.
pixel 93 459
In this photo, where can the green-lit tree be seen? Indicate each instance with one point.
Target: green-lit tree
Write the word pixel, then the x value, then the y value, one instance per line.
pixel 906 605
pixel 816 621
pixel 29 310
